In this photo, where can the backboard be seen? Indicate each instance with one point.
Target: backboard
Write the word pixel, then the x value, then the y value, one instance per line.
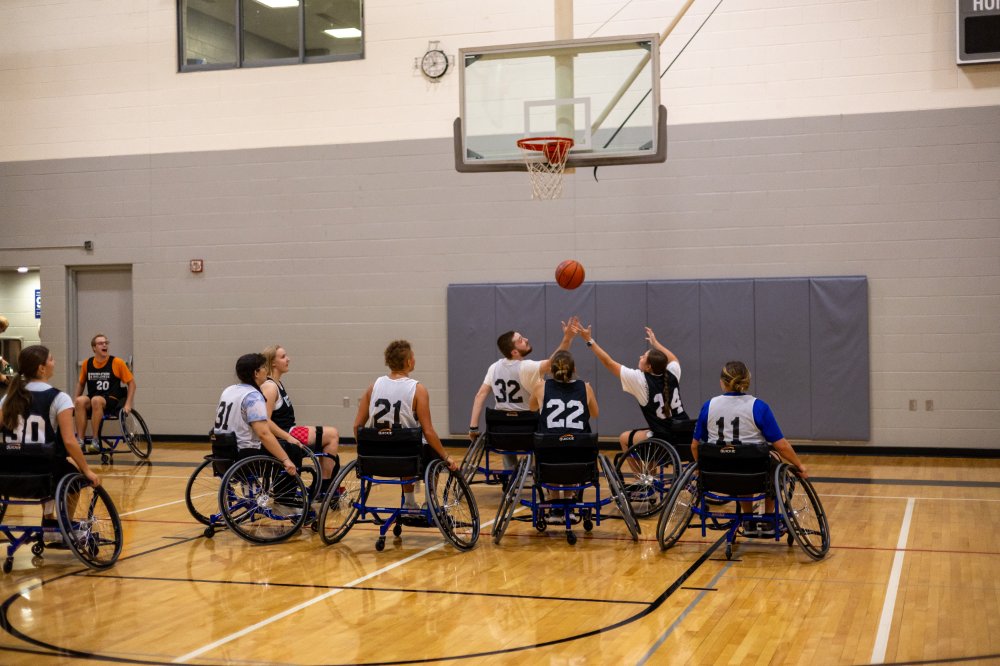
pixel 604 93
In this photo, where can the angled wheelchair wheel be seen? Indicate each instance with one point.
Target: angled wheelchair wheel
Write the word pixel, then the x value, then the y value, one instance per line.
pixel 677 512
pixel 509 501
pixel 261 502
pixel 4 501
pixel 202 493
pixel 311 473
pixel 135 433
pixel 619 496
pixel 474 456
pixel 340 509
pixel 802 511
pixel 89 522
pixel 648 470
pixel 452 505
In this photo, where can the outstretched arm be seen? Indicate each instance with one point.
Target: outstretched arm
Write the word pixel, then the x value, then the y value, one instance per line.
pixel 651 338
pixel 477 408
pixel 604 357
pixel 569 331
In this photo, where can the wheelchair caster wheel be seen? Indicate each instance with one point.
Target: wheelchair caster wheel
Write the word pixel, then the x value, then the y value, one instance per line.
pixel 570 538
pixel 380 544
pixel 314 526
pixel 541 525
pixel 105 459
pixel 397 529
pixel 729 551
pixel 8 564
pixel 209 532
pixel 588 525
pixel 37 549
pixel 789 539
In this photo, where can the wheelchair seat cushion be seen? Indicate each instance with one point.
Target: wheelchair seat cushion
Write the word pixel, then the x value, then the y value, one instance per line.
pixel 735 470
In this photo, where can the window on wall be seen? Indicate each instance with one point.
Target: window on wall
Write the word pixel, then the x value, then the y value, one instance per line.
pixel 225 34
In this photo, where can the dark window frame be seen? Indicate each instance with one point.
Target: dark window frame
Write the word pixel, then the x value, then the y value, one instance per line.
pixel 302 59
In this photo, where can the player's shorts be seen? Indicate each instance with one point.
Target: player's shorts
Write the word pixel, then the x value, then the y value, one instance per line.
pixel 301 433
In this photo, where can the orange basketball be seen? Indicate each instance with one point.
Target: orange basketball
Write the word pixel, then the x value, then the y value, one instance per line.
pixel 569 274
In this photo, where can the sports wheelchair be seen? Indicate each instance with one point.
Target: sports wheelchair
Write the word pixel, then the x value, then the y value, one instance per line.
pixel 86 518
pixel 117 428
pixel 398 457
pixel 508 433
pixel 254 497
pixel 648 469
pixel 745 473
pixel 567 463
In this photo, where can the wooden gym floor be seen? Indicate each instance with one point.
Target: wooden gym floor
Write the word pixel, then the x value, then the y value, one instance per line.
pixel 913 577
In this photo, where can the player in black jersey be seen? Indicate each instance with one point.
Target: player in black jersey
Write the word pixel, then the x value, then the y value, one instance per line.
pixel 655 385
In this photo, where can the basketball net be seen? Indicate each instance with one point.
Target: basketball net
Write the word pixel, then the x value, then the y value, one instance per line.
pixel 545 157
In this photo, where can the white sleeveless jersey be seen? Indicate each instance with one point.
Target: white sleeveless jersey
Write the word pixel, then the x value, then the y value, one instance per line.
pixel 392 403
pixel 232 414
pixel 730 419
pixel 512 383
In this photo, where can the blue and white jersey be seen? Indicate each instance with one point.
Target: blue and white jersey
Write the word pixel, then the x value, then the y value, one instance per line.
pixel 239 406
pixel 512 383
pixel 391 404
pixel 737 418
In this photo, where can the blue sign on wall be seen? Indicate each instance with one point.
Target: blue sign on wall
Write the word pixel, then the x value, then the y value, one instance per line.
pixel 38 304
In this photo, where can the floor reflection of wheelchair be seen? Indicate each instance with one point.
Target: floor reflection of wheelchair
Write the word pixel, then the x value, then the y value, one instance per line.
pixel 258 500
pixel 117 428
pixel 394 458
pixel 508 433
pixel 745 473
pixel 87 520
pixel 561 464
pixel 648 469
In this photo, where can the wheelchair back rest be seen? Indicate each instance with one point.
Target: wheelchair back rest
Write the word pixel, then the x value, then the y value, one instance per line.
pixel 224 451
pixel 26 470
pixel 390 451
pixel 682 431
pixel 568 459
pixel 511 431
pixel 735 470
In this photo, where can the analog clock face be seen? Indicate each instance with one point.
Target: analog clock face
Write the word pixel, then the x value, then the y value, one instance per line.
pixel 434 64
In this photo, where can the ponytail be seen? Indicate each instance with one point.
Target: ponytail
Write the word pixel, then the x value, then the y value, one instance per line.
pixel 18 399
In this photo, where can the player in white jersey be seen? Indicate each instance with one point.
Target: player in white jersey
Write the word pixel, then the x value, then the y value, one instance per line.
pixel 512 378
pixel 243 412
pixel 398 401
pixel 738 418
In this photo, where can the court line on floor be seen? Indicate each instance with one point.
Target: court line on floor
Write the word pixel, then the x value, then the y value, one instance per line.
pixel 885 621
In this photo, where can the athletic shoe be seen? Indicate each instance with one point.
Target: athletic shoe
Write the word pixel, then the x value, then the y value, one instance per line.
pixel 765 529
pixel 556 517
pixel 751 530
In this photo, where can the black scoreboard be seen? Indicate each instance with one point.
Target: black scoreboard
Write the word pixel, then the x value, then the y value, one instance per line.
pixel 978 31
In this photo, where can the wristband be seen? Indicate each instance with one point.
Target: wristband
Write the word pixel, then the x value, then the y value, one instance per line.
pixel 590 343
pixel 473 428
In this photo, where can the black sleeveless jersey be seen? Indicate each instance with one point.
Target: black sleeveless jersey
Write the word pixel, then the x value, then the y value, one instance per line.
pixel 36 430
pixel 283 414
pixel 104 382
pixel 662 406
pixel 564 408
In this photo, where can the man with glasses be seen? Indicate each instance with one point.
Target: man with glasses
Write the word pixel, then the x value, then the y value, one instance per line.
pixel 109 384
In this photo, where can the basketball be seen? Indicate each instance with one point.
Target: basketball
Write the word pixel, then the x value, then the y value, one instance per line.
pixel 569 274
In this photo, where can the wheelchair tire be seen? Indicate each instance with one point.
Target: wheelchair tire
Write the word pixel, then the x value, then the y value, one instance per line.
pixel 509 501
pixel 135 433
pixel 4 501
pixel 470 463
pixel 618 495
pixel 311 473
pixel 648 470
pixel 202 494
pixel 89 522
pixel 452 505
pixel 261 502
pixel 339 511
pixel 677 512
pixel 802 511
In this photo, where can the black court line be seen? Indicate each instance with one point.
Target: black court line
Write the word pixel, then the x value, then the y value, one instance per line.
pixel 54 650
pixel 904 482
pixel 211 581
pixel 702 589
pixel 945 660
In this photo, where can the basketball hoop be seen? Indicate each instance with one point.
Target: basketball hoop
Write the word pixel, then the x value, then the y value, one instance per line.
pixel 545 170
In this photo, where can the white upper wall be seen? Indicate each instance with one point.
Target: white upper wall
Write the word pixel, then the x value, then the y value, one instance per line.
pixel 81 79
